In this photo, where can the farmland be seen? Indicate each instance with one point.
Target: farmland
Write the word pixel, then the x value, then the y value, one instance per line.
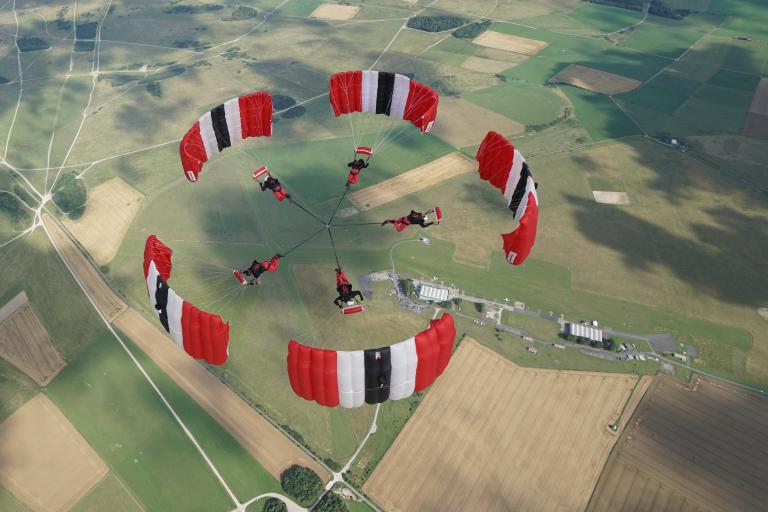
pixel 492 428
pixel 685 256
pixel 672 456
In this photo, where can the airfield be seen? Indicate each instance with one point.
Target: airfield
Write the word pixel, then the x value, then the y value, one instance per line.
pixel 633 231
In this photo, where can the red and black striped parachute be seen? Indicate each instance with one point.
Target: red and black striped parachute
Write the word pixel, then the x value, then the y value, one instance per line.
pixel 505 168
pixel 232 121
pixel 380 92
pixel 202 335
pixel 352 378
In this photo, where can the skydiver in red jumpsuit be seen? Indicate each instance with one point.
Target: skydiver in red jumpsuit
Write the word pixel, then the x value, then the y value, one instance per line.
pixel 273 184
pixel 346 293
pixel 259 267
pixel 355 167
pixel 414 217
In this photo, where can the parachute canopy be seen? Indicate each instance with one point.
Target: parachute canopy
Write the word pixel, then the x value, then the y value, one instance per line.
pixel 202 335
pixel 381 92
pixel 505 168
pixel 352 378
pixel 232 121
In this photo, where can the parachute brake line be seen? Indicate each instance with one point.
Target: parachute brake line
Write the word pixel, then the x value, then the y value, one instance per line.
pixel 310 237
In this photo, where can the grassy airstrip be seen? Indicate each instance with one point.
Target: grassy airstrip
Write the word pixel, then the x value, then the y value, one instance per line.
pixel 685 257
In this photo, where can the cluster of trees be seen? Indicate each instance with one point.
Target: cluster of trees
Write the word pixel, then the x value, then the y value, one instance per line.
pixel 331 502
pixel 281 102
pixel 71 195
pixel 565 113
pixel 657 7
pixel 32 44
pixel 274 505
pixel 302 484
pixel 472 30
pixel 435 23
pixel 406 286
pixel 63 22
pixel 242 13
pixel 86 30
pixel 155 89
pixel 13 207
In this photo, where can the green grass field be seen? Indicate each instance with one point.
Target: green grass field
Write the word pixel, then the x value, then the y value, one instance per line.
pixel 109 494
pixel 140 441
pixel 526 103
pixel 9 503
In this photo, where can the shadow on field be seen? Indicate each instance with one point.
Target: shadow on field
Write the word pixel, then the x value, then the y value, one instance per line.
pixel 720 262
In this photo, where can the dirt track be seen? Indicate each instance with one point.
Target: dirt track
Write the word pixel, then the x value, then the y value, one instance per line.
pixel 106 300
pixel 595 80
pixel 111 209
pixel 25 343
pixel 690 447
pixel 44 461
pixel 434 172
pixel 509 43
pixel 493 436
pixel 273 449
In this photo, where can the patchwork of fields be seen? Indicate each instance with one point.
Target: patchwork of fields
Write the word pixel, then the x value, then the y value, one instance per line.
pixel 641 236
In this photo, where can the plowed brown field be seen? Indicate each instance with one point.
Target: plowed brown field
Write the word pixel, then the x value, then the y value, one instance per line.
pixel 688 448
pixel 25 343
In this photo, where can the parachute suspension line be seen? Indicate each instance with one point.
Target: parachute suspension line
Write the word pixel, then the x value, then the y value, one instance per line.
pixel 346 189
pixel 321 221
pixel 333 245
pixel 356 224
pixel 310 237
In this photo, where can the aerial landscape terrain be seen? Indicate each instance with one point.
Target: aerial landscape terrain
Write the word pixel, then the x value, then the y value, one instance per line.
pixel 621 365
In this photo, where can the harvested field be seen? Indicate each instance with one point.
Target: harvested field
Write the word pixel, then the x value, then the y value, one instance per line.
pixel 25 343
pixel 509 43
pixel 436 171
pixel 335 12
pixel 106 300
pixel 698 446
pixel 595 80
pixel 462 123
pixel 273 449
pixel 44 461
pixel 489 66
pixel 610 197
pixel 111 209
pixel 494 436
pixel 756 123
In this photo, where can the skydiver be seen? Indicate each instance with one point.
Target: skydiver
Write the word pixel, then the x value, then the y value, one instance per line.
pixel 414 217
pixel 354 173
pixel 273 184
pixel 346 293
pixel 259 267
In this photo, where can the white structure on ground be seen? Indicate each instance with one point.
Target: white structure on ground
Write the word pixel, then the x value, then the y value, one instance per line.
pixel 433 293
pixel 585 331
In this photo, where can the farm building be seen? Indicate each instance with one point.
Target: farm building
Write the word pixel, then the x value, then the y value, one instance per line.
pixel 584 331
pixel 433 293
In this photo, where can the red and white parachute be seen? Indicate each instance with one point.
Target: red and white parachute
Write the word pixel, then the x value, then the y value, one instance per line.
pixel 352 378
pixel 380 92
pixel 202 335
pixel 505 168
pixel 232 121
